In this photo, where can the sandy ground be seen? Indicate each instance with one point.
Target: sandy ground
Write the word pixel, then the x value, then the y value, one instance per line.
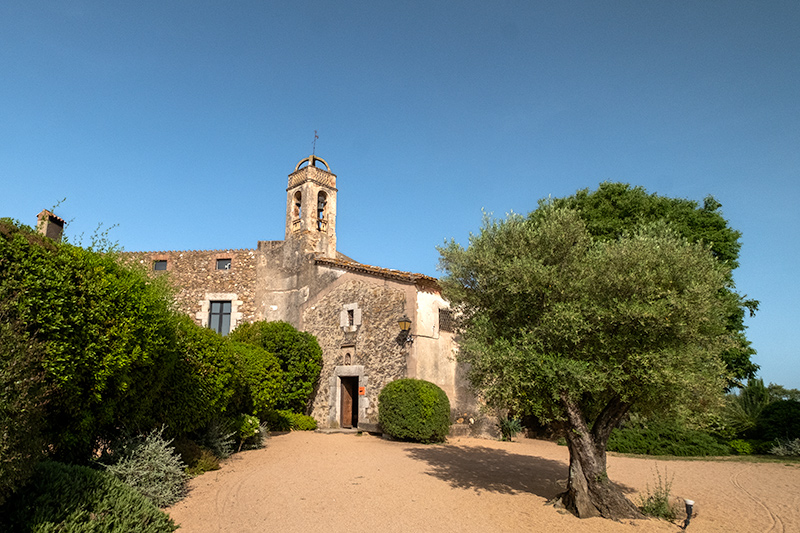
pixel 307 482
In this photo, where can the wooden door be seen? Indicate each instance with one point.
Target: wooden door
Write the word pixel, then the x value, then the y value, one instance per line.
pixel 348 407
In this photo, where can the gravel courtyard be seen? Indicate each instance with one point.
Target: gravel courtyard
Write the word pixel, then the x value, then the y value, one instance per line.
pixel 308 482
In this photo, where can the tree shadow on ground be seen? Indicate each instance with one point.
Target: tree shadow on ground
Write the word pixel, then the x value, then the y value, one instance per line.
pixel 481 468
pixel 488 469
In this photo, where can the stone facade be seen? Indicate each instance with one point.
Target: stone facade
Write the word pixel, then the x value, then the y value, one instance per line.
pixel 352 308
pixel 370 350
pixel 199 281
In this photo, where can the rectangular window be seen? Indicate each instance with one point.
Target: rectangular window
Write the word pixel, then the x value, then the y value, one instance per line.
pixel 446 320
pixel 223 264
pixel 219 317
pixel 160 264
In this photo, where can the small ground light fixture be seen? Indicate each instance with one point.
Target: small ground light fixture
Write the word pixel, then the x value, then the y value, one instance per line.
pixel 689 507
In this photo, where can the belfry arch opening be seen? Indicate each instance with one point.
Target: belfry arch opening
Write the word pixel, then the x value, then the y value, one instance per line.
pixel 322 215
pixel 297 208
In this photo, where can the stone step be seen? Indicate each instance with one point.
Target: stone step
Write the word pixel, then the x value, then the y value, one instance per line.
pixel 460 430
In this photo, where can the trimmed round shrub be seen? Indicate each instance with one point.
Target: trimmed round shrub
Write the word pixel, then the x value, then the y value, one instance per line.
pixel 751 446
pixel 741 447
pixel 64 497
pixel 414 410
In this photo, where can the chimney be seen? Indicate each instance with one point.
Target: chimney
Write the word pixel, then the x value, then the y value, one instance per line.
pixel 50 225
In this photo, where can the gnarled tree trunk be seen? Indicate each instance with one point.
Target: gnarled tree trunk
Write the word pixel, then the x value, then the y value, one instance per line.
pixel 589 491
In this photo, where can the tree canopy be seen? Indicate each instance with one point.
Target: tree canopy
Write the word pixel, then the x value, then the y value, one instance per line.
pixel 578 329
pixel 618 208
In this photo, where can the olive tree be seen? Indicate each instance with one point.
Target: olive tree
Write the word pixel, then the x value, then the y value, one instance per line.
pixel 579 330
pixel 616 208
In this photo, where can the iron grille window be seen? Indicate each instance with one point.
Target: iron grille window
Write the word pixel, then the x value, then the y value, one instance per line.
pixel 223 264
pixel 219 317
pixel 446 322
pixel 160 264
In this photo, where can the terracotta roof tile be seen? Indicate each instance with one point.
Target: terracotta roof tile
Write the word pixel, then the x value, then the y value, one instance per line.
pixel 388 273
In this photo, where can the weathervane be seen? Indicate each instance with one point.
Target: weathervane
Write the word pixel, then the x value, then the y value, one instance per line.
pixel 314 144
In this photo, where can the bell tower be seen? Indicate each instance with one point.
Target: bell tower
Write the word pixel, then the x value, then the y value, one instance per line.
pixel 311 207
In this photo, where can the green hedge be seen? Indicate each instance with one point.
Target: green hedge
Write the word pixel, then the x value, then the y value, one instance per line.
pixel 260 380
pixel 107 332
pixel 201 383
pixel 72 498
pixel 415 410
pixel 665 439
pixel 779 420
pixel 299 355
pixel 22 397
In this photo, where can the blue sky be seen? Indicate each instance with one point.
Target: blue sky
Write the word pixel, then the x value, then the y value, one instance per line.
pixel 179 121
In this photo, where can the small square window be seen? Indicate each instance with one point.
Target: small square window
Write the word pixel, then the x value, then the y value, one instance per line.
pixel 223 264
pixel 160 264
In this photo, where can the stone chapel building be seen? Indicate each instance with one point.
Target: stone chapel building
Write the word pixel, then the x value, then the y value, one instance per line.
pixel 352 308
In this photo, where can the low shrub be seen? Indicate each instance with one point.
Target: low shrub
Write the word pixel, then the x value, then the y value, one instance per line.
pixel 304 423
pixel 656 501
pixel 205 463
pixel 151 466
pixel 197 459
pixel 414 410
pixel 509 427
pixel 786 448
pixel 218 437
pixel 278 420
pixel 741 447
pixel 282 420
pixel 73 498
pixel 248 429
pixel 750 446
pixel 665 439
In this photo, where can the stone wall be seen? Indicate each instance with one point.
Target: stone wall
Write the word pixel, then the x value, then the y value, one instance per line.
pixel 195 275
pixel 368 348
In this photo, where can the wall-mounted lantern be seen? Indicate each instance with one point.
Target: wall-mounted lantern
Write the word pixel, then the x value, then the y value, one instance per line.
pixel 405 331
